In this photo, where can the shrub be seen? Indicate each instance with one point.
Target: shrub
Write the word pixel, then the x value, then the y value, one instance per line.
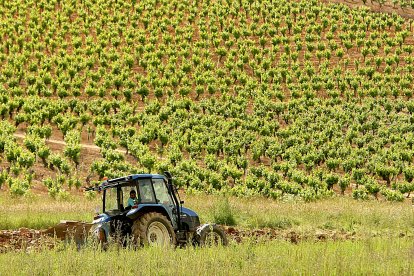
pixel 371 185
pixel 90 195
pixel 3 178
pixel 308 195
pixel 404 187
pixel 223 213
pixel 331 179
pixel 55 187
pixel 360 193
pixel 392 195
pixel 18 187
pixel 409 174
pixel 344 183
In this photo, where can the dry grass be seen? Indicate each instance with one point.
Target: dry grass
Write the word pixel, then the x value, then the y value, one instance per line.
pixel 337 214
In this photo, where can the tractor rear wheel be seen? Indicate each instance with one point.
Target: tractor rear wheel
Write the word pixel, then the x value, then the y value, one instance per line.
pixel 154 229
pixel 211 235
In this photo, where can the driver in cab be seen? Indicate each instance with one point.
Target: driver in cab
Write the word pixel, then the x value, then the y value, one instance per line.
pixel 132 200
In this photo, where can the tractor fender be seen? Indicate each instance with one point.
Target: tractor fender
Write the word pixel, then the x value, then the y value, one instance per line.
pixel 188 212
pixel 133 214
pixel 100 227
pixel 189 219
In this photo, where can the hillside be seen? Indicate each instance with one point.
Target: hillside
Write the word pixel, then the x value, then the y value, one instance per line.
pixel 264 97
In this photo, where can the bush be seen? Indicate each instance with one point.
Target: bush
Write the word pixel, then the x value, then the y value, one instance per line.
pixel 3 178
pixel 223 213
pixel 74 182
pixel 18 187
pixel 371 185
pixel 344 183
pixel 331 179
pixel 392 195
pixel 55 187
pixel 62 195
pixel 90 195
pixel 404 187
pixel 360 193
pixel 308 195
pixel 409 174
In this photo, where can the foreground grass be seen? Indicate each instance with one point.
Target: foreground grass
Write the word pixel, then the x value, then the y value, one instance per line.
pixel 372 257
pixel 339 213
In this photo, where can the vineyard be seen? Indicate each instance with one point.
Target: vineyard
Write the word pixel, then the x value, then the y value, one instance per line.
pixel 274 98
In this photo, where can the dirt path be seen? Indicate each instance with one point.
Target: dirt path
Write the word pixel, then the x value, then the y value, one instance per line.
pixel 388 7
pixel 60 142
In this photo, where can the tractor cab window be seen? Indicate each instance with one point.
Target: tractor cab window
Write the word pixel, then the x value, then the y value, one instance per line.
pixel 146 193
pixel 161 192
pixel 111 199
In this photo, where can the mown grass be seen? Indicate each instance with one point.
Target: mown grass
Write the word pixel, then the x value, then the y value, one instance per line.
pixel 365 257
pixel 339 213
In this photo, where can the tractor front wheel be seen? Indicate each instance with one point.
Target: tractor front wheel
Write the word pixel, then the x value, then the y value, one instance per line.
pixel 154 229
pixel 210 235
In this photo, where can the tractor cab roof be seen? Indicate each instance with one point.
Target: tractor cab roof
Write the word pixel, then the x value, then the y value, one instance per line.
pixel 110 183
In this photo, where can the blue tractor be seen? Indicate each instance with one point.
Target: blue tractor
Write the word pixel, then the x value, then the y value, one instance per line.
pixel 146 209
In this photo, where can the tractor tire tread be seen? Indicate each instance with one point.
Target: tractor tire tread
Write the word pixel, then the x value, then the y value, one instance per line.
pixel 140 227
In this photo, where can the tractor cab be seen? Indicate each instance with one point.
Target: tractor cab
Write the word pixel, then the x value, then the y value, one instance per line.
pixel 148 191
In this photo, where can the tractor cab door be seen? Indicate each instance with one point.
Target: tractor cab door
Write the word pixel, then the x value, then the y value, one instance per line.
pixel 119 225
pixel 111 201
pixel 163 197
pixel 161 193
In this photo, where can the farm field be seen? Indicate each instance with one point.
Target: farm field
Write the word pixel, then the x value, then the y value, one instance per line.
pixel 334 236
pixel 270 98
pixel 290 123
pixel 364 218
pixel 245 220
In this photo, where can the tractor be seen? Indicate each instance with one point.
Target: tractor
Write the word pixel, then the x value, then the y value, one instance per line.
pixel 154 217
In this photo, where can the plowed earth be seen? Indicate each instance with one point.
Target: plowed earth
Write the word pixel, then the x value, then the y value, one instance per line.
pixel 25 239
pixel 28 240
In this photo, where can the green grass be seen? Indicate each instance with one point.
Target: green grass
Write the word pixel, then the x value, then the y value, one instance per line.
pixel 41 211
pixel 340 213
pixel 368 257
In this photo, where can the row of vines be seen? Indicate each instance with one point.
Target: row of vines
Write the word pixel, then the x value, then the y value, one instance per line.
pixel 244 97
